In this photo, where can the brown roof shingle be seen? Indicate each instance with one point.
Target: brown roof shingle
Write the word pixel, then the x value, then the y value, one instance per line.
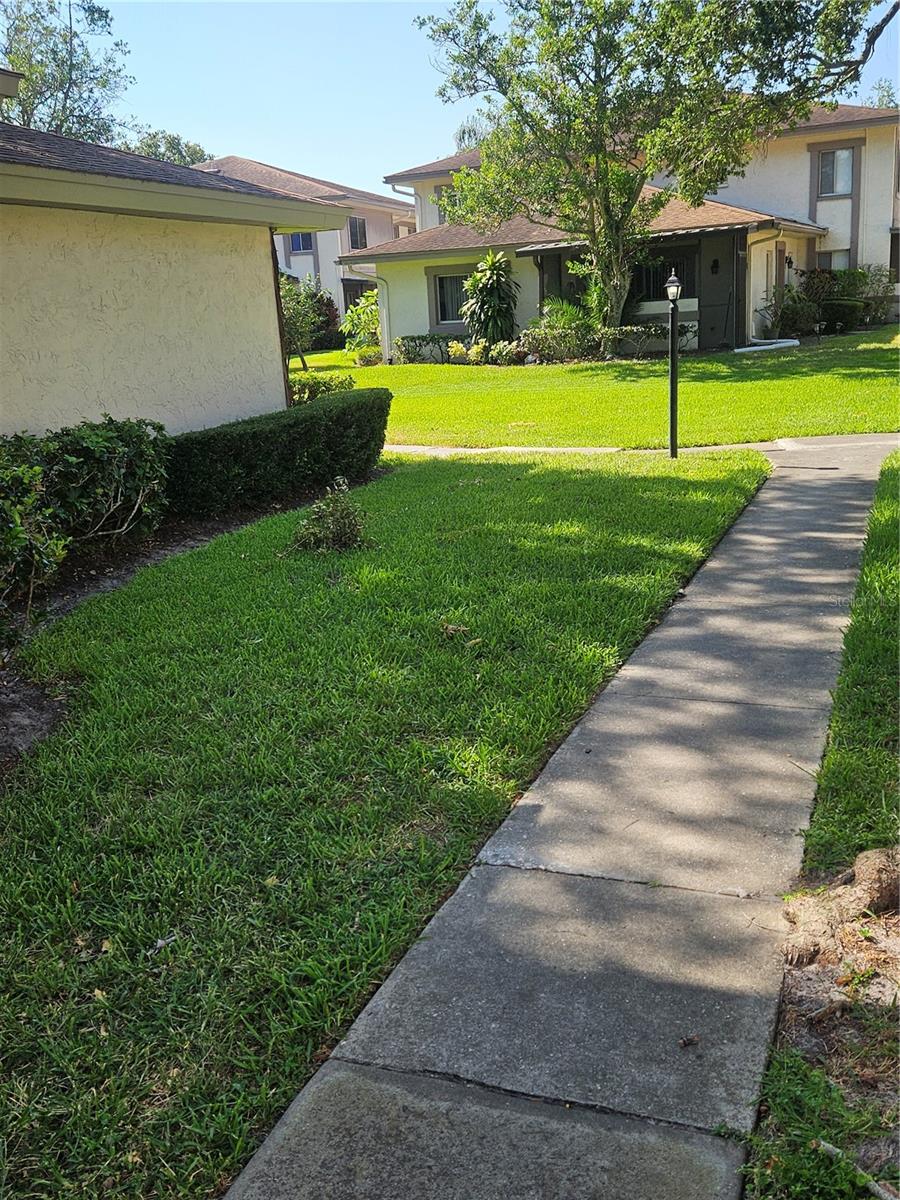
pixel 676 217
pixel 440 166
pixel 35 148
pixel 292 183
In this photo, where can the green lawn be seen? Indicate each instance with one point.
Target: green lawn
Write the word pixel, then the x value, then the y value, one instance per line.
pixel 847 385
pixel 274 767
pixel 856 809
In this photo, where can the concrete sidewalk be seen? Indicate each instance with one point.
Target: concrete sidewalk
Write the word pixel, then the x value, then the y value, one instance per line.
pixel 597 999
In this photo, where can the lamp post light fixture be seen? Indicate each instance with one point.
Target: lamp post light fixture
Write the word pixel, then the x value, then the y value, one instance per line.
pixel 673 291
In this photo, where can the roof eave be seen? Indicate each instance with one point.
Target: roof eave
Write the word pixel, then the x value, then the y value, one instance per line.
pixel 833 126
pixel 52 188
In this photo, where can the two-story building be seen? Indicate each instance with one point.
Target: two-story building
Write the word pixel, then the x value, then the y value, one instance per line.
pixel 824 193
pixel 371 220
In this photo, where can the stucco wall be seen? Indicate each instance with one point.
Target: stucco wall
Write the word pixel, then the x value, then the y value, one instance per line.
pixel 403 293
pixel 135 316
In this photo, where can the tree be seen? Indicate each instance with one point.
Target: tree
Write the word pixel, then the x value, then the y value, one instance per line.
pixel 490 310
pixel 307 312
pixel 361 323
pixel 470 133
pixel 883 94
pixel 72 81
pixel 168 147
pixel 588 100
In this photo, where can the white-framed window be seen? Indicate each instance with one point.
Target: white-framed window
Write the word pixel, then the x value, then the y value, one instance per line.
pixel 301 243
pixel 836 172
pixel 833 260
pixel 450 296
pixel 357 229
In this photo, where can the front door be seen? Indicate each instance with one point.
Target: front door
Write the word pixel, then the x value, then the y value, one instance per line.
pixel 716 292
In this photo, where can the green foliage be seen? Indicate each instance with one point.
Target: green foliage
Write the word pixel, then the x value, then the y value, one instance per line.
pixel 800 1105
pixel 31 544
pixel 167 147
pixel 842 316
pixel 360 324
pixel 309 385
pixel 279 455
pixel 309 315
pixel 490 310
pixel 882 94
pixel 856 803
pixel 477 354
pixel 422 347
pixel 336 522
pixel 71 85
pixel 277 767
pixel 585 102
pixel 457 352
pixel 564 332
pixel 369 356
pixel 793 314
pixel 869 288
pixel 90 481
pixel 507 354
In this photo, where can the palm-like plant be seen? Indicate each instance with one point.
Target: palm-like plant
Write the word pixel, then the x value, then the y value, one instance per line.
pixel 490 310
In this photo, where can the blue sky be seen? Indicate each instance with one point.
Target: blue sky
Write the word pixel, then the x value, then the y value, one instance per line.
pixel 343 90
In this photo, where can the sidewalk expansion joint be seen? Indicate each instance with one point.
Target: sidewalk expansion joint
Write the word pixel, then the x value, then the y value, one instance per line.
pixel 728 894
pixel 495 1089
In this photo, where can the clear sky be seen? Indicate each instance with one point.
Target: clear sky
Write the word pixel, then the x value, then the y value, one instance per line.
pixel 343 90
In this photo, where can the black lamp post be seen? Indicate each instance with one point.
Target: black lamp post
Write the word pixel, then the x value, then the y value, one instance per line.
pixel 673 291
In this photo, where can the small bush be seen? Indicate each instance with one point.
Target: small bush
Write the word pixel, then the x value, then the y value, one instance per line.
pixel 361 325
pixel 422 347
pixel 31 543
pixel 477 353
pixel 309 385
pixel 564 331
pixel 336 522
pixel 310 316
pixel 841 316
pixel 458 352
pixel 278 455
pixel 507 354
pixel 369 356
pixel 490 309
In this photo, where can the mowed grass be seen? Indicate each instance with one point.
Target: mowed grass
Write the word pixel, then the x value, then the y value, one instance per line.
pixel 856 809
pixel 846 385
pixel 856 802
pixel 274 767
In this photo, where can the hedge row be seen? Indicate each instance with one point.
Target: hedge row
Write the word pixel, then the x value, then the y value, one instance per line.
pixel 262 459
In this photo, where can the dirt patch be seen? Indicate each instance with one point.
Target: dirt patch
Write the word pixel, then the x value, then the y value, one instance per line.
pixel 842 988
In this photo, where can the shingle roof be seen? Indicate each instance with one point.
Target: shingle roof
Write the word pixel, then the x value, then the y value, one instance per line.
pixel 676 217
pixel 441 166
pixel 35 148
pixel 821 117
pixel 304 187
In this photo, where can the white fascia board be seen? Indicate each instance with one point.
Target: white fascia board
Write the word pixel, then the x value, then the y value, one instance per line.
pixel 48 188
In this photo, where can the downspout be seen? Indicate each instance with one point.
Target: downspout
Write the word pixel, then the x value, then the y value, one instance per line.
pixel 280 311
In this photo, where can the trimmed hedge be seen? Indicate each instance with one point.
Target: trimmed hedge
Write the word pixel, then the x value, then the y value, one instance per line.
pixel 263 459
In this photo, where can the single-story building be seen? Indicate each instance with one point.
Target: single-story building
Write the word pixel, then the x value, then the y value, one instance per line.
pixel 137 288
pixel 821 194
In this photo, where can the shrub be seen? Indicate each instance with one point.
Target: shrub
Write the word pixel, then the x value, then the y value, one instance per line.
pixel 563 332
pixel 490 310
pixel 310 316
pixel 31 543
pixel 336 522
pixel 840 316
pixel 369 356
pixel 360 324
pixel 477 354
pixel 506 354
pixel 457 352
pixel 309 385
pixel 422 347
pixel 278 455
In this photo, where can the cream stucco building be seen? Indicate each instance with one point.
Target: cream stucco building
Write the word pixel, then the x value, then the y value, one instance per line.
pixel 825 193
pixel 137 288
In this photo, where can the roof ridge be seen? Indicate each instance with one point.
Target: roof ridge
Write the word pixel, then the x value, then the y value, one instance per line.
pixel 341 189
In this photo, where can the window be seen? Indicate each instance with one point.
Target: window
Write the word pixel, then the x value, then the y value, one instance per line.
pixel 895 253
pixel 833 260
pixel 450 296
pixel 301 243
pixel 836 172
pixel 357 227
pixel 649 279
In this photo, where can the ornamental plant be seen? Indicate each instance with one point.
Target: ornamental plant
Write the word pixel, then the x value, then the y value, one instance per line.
pixel 360 323
pixel 490 310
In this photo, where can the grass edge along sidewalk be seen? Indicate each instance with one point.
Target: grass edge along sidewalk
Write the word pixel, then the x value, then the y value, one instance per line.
pixel 274 768
pixel 856 810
